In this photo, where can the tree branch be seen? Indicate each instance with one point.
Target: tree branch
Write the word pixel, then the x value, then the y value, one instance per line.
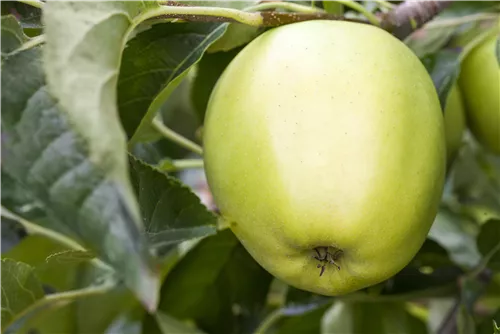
pixel 401 21
pixel 410 16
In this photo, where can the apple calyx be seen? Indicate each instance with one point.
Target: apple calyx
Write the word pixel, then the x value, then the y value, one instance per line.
pixel 327 255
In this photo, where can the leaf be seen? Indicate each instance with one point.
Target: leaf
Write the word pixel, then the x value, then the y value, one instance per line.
pixel 476 183
pixel 20 289
pixel 426 41
pixel 53 305
pixel 488 242
pixel 449 232
pixel 308 321
pixel 465 322
pixel 70 256
pixel 437 33
pixel 29 16
pixel 358 317
pixel 444 68
pixel 12 35
pixel 169 325
pixel 218 285
pixel 14 197
pixel 34 251
pixel 208 72
pixel 236 35
pixel 333 7
pixel 171 212
pixel 145 82
pixel 85 198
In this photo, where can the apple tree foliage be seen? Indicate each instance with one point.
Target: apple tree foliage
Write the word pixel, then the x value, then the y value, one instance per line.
pixel 103 230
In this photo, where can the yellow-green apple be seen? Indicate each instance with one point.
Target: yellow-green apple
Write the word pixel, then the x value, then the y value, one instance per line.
pixel 325 152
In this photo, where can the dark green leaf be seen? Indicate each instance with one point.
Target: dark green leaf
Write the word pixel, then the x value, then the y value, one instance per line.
pixel 12 34
pixel 170 325
pixel 14 197
pixel 218 285
pixel 209 70
pixel 84 196
pixel 20 290
pixel 444 68
pixel 373 318
pixel 308 321
pixel 170 211
pixel 148 78
pixel 462 8
pixel 488 242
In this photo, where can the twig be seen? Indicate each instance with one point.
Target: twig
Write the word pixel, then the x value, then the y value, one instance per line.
pixel 411 15
pixel 176 138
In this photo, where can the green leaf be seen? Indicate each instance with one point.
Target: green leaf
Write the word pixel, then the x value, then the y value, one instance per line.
pixel 208 72
pixel 488 242
pixel 218 285
pixel 20 290
pixel 444 68
pixel 83 196
pixel 170 325
pixel 449 231
pixel 333 7
pixel 145 82
pixel 12 34
pixel 374 318
pixel 496 329
pixel 465 321
pixel 426 42
pixel 70 256
pixel 80 317
pixel 235 36
pixel 34 250
pixel 171 212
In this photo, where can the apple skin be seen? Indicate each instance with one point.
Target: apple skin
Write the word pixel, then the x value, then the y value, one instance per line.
pixel 326 134
pixel 480 84
pixel 454 122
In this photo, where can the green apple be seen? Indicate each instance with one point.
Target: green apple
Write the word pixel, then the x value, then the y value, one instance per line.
pixel 325 153
pixel 480 84
pixel 454 122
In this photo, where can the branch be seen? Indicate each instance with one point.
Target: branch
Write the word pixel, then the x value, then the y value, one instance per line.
pixel 410 16
pixel 401 21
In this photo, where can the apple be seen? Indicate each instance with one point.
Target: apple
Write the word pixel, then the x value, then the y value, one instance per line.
pixel 480 84
pixel 324 149
pixel 454 122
